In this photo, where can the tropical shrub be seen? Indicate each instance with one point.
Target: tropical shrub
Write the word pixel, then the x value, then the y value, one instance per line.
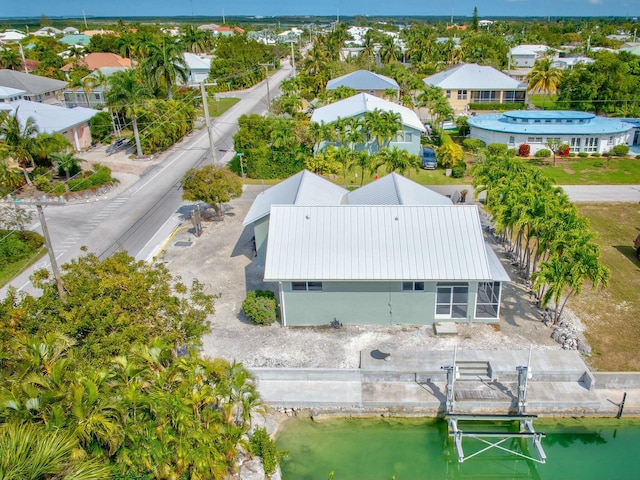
pixel 473 144
pixel 59 188
pixel 620 151
pixel 524 150
pixel 497 106
pixel 583 154
pixel 79 184
pixel 564 150
pixel 260 307
pixel 262 445
pixel 497 148
pixel 41 182
pixel 100 126
pixel 171 120
pixel 449 153
pixel 18 244
pixel 512 152
pixel 458 170
pixel 596 154
pixel 543 153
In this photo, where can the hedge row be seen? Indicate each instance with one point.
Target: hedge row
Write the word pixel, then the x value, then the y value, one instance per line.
pixel 497 106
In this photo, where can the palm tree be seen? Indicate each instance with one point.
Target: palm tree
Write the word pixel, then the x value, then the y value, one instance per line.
pixel 17 141
pixel 544 78
pixel 10 178
pixel 194 40
pixel 381 127
pixel 31 451
pixel 389 50
pixel 362 161
pixel 165 62
pixel 125 94
pixel 9 59
pixel 66 162
pixel 396 160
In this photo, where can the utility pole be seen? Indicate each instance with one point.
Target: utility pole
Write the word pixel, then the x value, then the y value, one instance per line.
pixel 207 119
pixel 266 70
pixel 45 233
pixel 24 60
pixel 293 58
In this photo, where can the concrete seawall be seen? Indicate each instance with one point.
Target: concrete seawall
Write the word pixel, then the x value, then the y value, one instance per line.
pixel 413 383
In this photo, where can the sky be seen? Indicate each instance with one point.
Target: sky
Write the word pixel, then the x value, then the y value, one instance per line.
pixel 167 8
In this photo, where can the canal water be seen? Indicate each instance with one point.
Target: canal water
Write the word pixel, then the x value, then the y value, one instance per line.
pixel 407 449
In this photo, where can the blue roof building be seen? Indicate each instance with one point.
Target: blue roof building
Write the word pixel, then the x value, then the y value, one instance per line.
pixel 582 131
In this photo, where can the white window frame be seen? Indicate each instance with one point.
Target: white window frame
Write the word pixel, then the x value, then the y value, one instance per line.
pixel 452 302
pixel 488 300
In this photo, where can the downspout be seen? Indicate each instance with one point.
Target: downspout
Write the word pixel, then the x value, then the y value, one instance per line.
pixel 283 315
pixel 499 302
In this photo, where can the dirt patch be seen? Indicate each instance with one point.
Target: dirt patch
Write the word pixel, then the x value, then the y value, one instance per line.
pixel 222 259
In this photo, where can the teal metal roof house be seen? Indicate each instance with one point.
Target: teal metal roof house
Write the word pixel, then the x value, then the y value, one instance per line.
pixel 582 131
pixel 390 253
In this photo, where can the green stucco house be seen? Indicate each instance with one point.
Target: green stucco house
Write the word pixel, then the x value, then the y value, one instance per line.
pixel 390 253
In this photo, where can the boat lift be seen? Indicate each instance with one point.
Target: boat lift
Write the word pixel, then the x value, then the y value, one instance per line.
pixel 493 439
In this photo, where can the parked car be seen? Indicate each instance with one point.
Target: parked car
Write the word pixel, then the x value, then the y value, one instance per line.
pixel 429 161
pixel 636 245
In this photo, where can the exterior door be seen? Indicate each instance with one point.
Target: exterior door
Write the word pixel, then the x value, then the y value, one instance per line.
pixel 452 300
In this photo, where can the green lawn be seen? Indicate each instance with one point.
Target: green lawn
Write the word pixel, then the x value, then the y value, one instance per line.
pixel 612 316
pixel 590 171
pixel 549 103
pixel 11 270
pixel 217 108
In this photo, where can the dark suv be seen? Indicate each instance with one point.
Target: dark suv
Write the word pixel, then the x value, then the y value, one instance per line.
pixel 636 245
pixel 429 161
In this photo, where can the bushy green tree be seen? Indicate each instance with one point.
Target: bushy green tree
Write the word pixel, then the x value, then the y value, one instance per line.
pixel 213 185
pixel 111 305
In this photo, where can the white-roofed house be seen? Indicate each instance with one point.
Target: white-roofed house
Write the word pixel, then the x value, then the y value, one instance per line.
pixel 47 32
pixel 525 56
pixel 198 67
pixel 358 105
pixel 473 83
pixel 363 81
pixel 73 123
pixel 8 95
pixel 383 255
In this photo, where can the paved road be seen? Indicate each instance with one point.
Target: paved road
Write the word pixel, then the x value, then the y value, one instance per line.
pixel 139 219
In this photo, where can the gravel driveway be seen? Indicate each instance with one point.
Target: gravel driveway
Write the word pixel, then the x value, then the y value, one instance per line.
pixel 221 258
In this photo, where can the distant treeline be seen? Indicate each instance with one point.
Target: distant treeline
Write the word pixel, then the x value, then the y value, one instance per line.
pixel 283 21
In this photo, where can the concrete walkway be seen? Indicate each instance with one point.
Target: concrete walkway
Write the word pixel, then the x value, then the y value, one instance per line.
pixel 414 383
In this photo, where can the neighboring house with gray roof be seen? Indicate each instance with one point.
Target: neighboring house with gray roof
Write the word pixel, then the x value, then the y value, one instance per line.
pixel 363 81
pixel 73 123
pixel 473 83
pixel 384 254
pixel 35 88
pixel 356 106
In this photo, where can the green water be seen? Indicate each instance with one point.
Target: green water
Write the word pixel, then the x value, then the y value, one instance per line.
pixel 377 448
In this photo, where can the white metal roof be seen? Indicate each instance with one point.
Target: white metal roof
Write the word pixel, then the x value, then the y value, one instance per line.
pixel 7 92
pixel 359 105
pixel 304 188
pixel 369 243
pixel 197 62
pixel 474 77
pixel 529 50
pixel 363 80
pixel 394 189
pixel 50 118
